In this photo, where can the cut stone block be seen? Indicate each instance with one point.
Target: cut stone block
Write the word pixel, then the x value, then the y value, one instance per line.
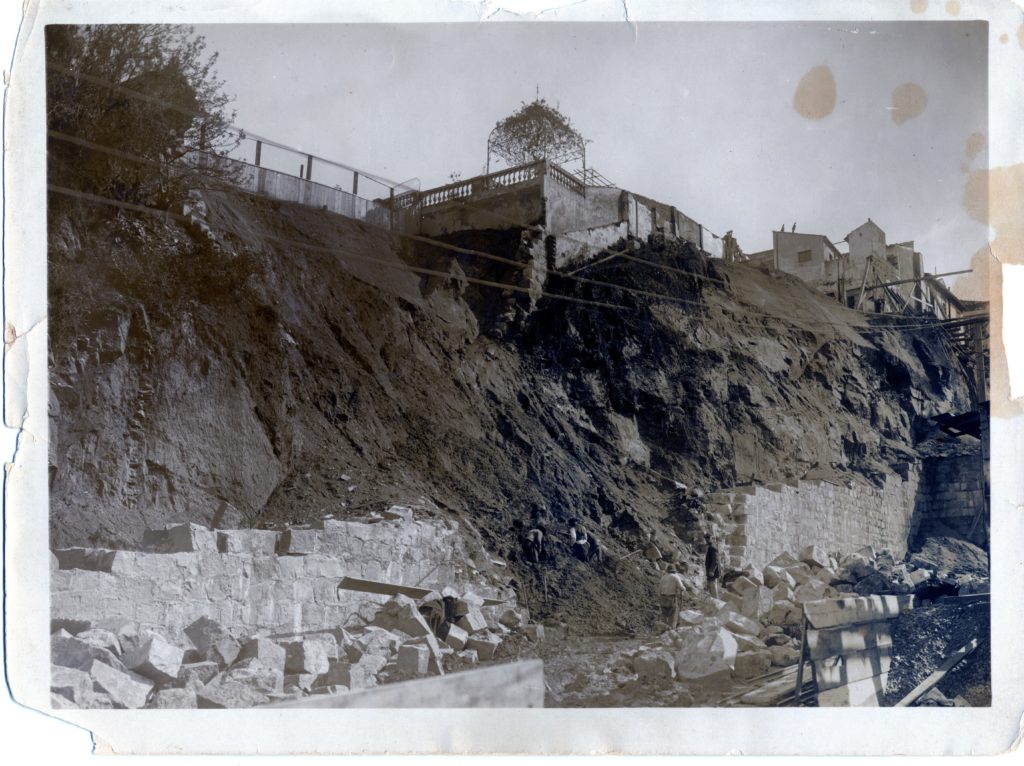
pixel 654 663
pixel 737 623
pixel 413 659
pixel 815 556
pixel 801 573
pixel 200 673
pixel 174 699
pixel 90 559
pixel 708 657
pixel 225 692
pixel 310 655
pixel 751 664
pixel 746 643
pixel 74 685
pixel 257 542
pixel 690 617
pixel 126 689
pixel 69 652
pixel 782 656
pixel 156 660
pixel 456 637
pixel 257 675
pixel 213 641
pixel 303 681
pixel 812 590
pixel 266 651
pixel 102 639
pixel 785 613
pixel 782 592
pixel 180 538
pixel 484 646
pixel 473 622
pixel 783 561
pixel 468 657
pixel 773 575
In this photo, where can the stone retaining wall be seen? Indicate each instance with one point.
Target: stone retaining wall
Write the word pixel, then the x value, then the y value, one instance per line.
pixel 758 523
pixel 952 492
pixel 262 582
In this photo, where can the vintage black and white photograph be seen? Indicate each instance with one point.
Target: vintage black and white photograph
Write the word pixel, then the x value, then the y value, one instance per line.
pixel 519 365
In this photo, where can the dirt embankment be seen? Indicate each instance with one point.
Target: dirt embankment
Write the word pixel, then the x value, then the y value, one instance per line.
pixel 291 368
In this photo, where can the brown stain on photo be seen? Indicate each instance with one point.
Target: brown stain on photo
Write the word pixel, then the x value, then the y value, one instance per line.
pixel 918 6
pixel 975 143
pixel 815 95
pixel 995 197
pixel 953 7
pixel 908 101
pixel 1020 35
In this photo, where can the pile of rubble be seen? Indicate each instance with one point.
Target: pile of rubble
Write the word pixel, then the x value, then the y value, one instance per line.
pixel 755 622
pixel 118 664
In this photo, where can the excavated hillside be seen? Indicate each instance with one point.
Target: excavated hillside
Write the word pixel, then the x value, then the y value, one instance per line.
pixel 289 366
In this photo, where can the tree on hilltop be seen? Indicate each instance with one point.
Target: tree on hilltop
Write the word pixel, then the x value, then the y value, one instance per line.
pixel 537 131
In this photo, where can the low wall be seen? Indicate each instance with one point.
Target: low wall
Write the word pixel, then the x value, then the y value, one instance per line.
pixel 262 582
pixel 952 493
pixel 567 210
pixel 764 521
pixel 509 207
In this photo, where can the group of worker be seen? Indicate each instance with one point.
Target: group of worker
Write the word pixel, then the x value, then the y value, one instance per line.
pixel 533 541
pixel 672 587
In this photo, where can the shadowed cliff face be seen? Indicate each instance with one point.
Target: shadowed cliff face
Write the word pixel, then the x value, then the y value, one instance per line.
pixel 289 368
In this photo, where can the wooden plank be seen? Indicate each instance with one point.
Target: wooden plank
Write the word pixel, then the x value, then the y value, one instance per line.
pixel 829 642
pixel 830 612
pixel 939 674
pixel 513 684
pixel 845 669
pixel 389 589
pixel 867 692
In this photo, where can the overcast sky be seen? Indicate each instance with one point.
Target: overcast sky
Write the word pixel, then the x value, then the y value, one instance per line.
pixel 697 115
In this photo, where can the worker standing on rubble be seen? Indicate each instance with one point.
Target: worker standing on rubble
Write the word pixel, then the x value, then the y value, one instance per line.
pixel 712 567
pixel 670 594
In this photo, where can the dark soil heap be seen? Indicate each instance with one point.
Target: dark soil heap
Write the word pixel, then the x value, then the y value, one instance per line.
pixel 291 366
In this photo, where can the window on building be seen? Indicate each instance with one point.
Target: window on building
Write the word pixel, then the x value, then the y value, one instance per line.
pixel 804 256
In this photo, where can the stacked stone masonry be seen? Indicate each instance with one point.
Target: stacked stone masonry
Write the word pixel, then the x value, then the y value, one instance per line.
pixel 952 492
pixel 754 523
pixel 260 582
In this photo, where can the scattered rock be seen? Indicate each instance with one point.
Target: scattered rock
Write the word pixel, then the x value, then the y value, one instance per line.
pixel 213 642
pixel 155 659
pixel 750 664
pixel 125 689
pixel 783 655
pixel 413 659
pixel 174 699
pixel 271 654
pixel 654 663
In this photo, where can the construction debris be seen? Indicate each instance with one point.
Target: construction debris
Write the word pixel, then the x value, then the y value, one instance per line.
pixel 135 667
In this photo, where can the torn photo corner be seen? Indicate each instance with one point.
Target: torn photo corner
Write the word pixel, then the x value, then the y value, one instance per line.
pixel 646 375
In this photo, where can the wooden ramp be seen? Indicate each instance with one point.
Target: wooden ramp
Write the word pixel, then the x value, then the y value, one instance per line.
pixel 513 684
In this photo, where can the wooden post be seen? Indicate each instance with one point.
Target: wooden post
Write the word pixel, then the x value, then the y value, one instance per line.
pixel 391 209
pixel 309 167
pixel 355 183
pixel 800 664
pixel 259 152
pixel 301 169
